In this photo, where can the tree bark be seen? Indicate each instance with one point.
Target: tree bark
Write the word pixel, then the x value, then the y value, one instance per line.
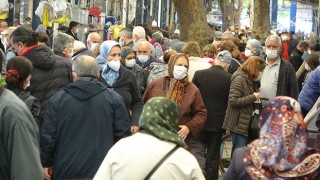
pixel 230 15
pixel 261 18
pixel 193 22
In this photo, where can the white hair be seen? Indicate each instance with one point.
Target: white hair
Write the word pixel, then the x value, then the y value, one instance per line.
pixel 78 45
pixel 255 44
pixel 139 31
pixel 92 34
pixel 274 38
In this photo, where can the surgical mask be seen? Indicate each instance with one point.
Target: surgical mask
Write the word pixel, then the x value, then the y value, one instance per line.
pixel 284 38
pixel 130 63
pixel 71 53
pixel 247 53
pixel 259 77
pixel 93 46
pixel 121 41
pixel 271 54
pixel 27 82
pixel 114 64
pixel 307 67
pixel 179 72
pixel 143 58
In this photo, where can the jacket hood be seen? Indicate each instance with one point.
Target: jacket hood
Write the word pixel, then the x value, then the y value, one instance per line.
pixel 85 88
pixel 41 57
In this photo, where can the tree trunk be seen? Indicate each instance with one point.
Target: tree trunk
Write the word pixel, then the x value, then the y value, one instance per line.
pixel 261 18
pixel 230 15
pixel 193 22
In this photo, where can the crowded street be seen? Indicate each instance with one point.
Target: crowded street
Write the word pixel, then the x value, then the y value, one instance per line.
pixel 168 90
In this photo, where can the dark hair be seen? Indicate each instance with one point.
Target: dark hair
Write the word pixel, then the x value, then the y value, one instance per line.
pixel 313 61
pixel 73 24
pixel 44 38
pixel 27 19
pixel 18 70
pixel 242 47
pixel 25 35
pixel 303 44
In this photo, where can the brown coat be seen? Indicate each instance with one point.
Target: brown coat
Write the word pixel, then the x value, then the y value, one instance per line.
pixel 241 98
pixel 192 111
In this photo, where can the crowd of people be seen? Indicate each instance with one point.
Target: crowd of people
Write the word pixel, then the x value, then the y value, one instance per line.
pixel 150 106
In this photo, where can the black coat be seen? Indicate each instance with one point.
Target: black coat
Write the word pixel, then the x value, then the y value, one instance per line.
pixel 81 124
pixel 83 51
pixel 214 85
pixel 32 103
pixel 296 59
pixel 71 34
pixel 50 74
pixel 126 85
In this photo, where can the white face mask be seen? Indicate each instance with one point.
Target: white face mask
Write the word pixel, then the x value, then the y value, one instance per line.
pixel 121 41
pixel 307 67
pixel 130 63
pixel 114 64
pixel 71 53
pixel 93 46
pixel 284 38
pixel 247 53
pixel 143 58
pixel 259 77
pixel 179 72
pixel 27 83
pixel 272 54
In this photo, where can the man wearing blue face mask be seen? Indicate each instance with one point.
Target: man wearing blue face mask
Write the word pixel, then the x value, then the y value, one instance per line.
pixel 278 78
pixel 144 55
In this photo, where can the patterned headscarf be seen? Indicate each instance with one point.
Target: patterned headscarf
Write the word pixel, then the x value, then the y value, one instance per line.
pixel 176 87
pixel 281 151
pixel 160 118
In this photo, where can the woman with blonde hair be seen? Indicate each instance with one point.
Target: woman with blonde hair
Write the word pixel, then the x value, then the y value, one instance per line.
pixel 177 87
pixel 243 93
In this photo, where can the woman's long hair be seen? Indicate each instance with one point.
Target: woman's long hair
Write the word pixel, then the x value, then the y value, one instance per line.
pixel 253 66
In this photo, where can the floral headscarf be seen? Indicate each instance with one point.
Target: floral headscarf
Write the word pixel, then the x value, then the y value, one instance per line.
pixel 160 118
pixel 176 87
pixel 281 151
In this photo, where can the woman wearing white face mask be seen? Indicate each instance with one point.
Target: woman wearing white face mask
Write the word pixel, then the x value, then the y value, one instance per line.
pixel 128 60
pixel 120 79
pixel 18 77
pixel 178 88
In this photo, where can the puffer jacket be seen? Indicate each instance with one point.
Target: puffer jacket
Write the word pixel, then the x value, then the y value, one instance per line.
pixel 50 73
pixel 310 91
pixel 241 98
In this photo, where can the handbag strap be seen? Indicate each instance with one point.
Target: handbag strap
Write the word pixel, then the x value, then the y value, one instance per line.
pixel 161 161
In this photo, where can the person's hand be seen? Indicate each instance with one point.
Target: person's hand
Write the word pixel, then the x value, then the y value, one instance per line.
pixel 47 172
pixel 183 132
pixel 134 129
pixel 257 95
